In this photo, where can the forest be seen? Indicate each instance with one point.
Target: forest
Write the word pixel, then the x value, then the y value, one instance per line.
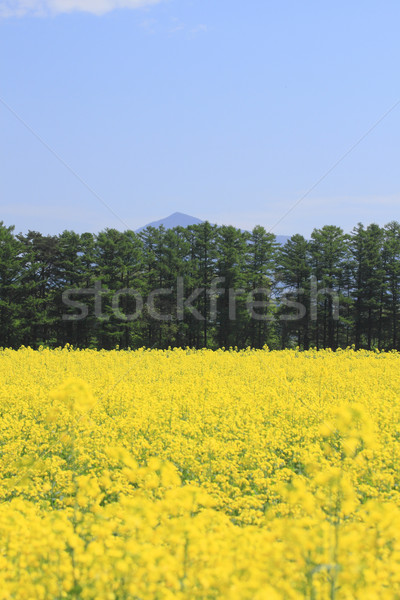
pixel 332 290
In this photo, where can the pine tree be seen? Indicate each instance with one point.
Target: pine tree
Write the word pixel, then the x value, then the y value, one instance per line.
pixel 155 274
pixel 328 250
pixel 118 263
pixel 294 272
pixel 201 273
pixel 259 284
pixel 39 288
pixel 391 252
pixel 370 284
pixel 196 282
pixel 232 311
pixel 10 270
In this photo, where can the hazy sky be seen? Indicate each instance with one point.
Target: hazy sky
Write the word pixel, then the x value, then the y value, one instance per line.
pixel 229 111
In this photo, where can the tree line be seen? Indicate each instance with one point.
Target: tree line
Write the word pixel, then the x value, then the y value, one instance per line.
pixel 333 290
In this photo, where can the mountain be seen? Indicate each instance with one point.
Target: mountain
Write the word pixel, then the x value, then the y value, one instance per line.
pixel 282 239
pixel 178 219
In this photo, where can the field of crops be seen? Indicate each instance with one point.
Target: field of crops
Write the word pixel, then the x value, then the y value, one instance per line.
pixel 199 475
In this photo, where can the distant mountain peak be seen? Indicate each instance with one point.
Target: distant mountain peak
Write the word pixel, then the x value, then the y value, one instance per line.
pixel 178 219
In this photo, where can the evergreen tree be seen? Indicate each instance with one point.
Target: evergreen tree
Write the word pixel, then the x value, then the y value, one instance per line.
pixel 230 268
pixel 259 283
pixel 155 277
pixel 72 274
pixel 201 272
pixel 38 288
pixel 191 286
pixel 10 271
pixel 328 250
pixel 118 264
pixel 294 272
pixel 370 285
pixel 391 253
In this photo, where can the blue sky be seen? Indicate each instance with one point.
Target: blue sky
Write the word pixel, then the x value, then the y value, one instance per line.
pixel 229 111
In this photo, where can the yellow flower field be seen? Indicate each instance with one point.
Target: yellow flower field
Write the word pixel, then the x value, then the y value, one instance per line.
pixel 191 475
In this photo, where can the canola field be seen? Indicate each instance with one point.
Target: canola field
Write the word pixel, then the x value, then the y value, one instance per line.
pixel 179 474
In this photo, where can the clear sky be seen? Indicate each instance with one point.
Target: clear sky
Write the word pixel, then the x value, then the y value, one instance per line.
pixel 226 110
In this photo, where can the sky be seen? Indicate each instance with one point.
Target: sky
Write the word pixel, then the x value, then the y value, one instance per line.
pixel 115 113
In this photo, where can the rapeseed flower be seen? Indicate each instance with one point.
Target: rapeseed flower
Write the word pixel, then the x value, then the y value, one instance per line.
pixel 201 475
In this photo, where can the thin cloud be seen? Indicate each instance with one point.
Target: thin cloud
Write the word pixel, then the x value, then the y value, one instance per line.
pixel 190 31
pixel 200 28
pixel 43 8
